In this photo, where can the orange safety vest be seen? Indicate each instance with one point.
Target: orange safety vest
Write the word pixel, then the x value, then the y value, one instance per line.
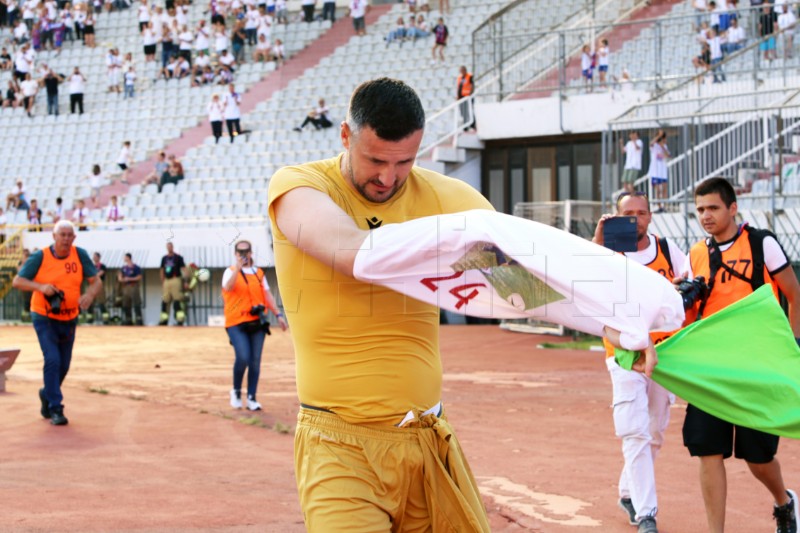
pixel 661 265
pixel 464 85
pixel 246 292
pixel 67 275
pixel 727 289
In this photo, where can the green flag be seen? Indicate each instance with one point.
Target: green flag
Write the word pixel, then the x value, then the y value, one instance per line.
pixel 741 364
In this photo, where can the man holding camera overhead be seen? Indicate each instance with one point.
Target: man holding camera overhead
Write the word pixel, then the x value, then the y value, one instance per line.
pixel 246 298
pixel 734 261
pixel 54 276
pixel 641 406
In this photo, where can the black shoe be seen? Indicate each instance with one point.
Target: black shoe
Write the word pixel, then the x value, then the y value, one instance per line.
pixel 647 525
pixel 627 505
pixel 57 417
pixel 45 410
pixel 786 515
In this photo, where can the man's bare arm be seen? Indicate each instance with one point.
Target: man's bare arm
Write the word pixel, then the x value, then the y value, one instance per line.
pixel 311 221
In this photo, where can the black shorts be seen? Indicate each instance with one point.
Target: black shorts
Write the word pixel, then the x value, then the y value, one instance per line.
pixel 705 434
pixel 149 49
pixel 122 166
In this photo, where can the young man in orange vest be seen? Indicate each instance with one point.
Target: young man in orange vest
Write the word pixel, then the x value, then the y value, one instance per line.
pixel 734 260
pixel 54 276
pixel 641 406
pixel 465 89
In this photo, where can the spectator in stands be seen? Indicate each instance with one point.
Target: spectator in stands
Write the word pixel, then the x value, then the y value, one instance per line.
pixel 308 10
pixel 81 215
pixel 786 24
pixel 264 26
pixel 358 10
pixel 129 277
pixel 714 13
pixel 734 38
pixel 262 51
pixel 659 154
pixel 329 10
pixel 398 33
pixel 160 168
pixel 174 173
pixel 144 16
pixel 23 62
pixel 29 88
pixel 69 22
pixel 182 69
pixel 97 180
pixel 34 216
pixel 251 19
pixel 633 160
pixel 715 51
pixel 125 160
pixel 12 95
pixel 221 42
pixel 238 39
pixel 51 81
pixel 88 30
pixel 444 6
pixel 201 61
pixel 587 68
pixel 16 197
pixel 227 63
pixel 318 116
pixel 766 28
pixel 77 82
pixel 440 33
pixel 58 212
pixel 703 61
pixel 418 29
pixel 201 38
pixel 602 62
pixel 185 43
pixel 232 113
pixel 278 54
pixel 171 68
pixel 5 60
pixel 281 12
pixel 701 11
pixel 21 33
pixel 114 214
pixel 80 18
pixel 149 41
pixel 129 79
pixel 216 109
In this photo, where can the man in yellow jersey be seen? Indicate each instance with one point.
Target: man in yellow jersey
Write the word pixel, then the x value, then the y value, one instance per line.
pixel 734 261
pixel 641 406
pixel 369 377
pixel 54 276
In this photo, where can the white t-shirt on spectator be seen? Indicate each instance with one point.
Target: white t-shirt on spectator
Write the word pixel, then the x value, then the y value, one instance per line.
pixel 21 62
pixel 232 106
pixel 252 19
pixel 186 38
pixel 220 41
pixel 144 13
pixel 735 35
pixel 114 213
pixel 21 32
pixel 76 84
pixel 124 156
pixel 715 47
pixel 633 154
pixel 97 180
pixel 358 8
pixel 227 60
pixel 214 111
pixel 80 215
pixel 202 61
pixel 201 39
pixel 29 87
pixel 149 37
pixel 278 50
pixel 786 20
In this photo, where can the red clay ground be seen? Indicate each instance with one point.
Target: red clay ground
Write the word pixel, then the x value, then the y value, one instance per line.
pixel 153 446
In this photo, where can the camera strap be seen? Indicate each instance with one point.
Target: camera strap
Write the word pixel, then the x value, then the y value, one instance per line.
pixel 244 277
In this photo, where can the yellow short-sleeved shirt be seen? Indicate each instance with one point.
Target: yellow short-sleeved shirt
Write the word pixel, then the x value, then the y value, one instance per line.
pixel 365 352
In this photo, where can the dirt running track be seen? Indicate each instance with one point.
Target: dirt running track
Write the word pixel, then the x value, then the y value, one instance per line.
pixel 153 446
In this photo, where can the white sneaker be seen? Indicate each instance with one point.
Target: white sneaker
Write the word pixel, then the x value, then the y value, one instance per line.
pixel 236 400
pixel 252 405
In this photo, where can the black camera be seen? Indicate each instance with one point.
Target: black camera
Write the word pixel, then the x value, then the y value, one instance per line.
pixel 263 321
pixel 692 291
pixel 55 301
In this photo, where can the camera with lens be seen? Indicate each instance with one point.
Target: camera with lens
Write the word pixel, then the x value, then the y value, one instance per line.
pixel 694 290
pixel 263 321
pixel 55 300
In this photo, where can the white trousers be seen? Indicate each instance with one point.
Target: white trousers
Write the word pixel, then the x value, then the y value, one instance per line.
pixel 641 415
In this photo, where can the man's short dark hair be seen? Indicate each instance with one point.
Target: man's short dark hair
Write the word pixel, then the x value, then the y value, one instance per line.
pixel 129 256
pixel 720 186
pixel 389 107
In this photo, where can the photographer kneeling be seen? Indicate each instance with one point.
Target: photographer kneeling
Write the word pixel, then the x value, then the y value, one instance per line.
pixel 246 297
pixel 55 275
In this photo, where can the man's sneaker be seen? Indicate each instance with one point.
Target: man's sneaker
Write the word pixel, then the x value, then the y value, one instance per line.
pixel 252 404
pixel 236 399
pixel 45 410
pixel 57 417
pixel 647 525
pixel 786 515
pixel 627 505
